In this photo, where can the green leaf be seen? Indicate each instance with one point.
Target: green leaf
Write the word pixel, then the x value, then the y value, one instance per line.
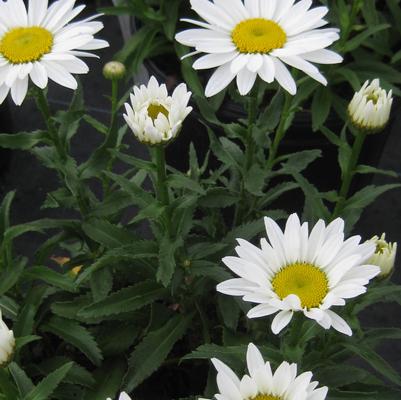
pixel 167 263
pixel 128 299
pixel 108 380
pixel 51 277
pixel 300 161
pixel 153 350
pixel 77 375
pixel 218 198
pixel 375 361
pixel 11 275
pixel 355 205
pixel 134 251
pixel 5 212
pixel 22 141
pixel 367 169
pixel 246 231
pixel 359 39
pixel 181 181
pixel 337 376
pixel 75 334
pixel 255 180
pixel 23 341
pixel 47 386
pixel 107 234
pixel 321 105
pixel 94 123
pixel 21 379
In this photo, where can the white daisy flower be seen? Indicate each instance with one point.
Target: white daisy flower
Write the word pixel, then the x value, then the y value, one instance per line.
pixel 154 116
pixel 257 38
pixel 370 108
pixel 7 343
pixel 123 396
pixel 298 271
pixel 41 43
pixel 263 384
pixel 384 256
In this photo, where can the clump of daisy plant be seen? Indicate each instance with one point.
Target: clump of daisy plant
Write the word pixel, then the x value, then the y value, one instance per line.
pixel 300 271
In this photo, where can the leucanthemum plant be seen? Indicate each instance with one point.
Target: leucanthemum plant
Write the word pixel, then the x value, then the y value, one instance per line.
pixel 258 38
pixel 298 271
pixel 41 43
pixel 115 296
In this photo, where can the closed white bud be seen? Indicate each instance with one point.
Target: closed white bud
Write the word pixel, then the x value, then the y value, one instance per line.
pixel 153 115
pixel 7 343
pixel 114 70
pixel 123 396
pixel 370 108
pixel 384 256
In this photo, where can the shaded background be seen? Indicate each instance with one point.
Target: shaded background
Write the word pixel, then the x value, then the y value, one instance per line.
pixel 21 171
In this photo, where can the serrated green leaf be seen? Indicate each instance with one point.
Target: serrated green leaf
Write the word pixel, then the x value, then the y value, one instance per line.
pixel 154 349
pixel 75 334
pixel 47 386
pixel 21 379
pixel 45 274
pixel 128 299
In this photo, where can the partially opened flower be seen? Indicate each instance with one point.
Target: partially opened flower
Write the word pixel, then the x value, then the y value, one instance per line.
pixel 153 115
pixel 384 256
pixel 263 384
pixel 7 343
pixel 370 108
pixel 40 43
pixel 258 38
pixel 123 396
pixel 301 272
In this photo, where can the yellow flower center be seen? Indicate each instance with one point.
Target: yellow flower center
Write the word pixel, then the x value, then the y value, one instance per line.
pixel 155 109
pixel 306 281
pixel 258 35
pixel 373 97
pixel 23 45
pixel 265 397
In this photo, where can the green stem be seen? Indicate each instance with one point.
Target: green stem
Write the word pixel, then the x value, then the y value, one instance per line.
pixel 280 133
pixel 350 172
pixel 348 29
pixel 161 183
pixel 44 108
pixel 112 134
pixel 250 142
pixel 249 156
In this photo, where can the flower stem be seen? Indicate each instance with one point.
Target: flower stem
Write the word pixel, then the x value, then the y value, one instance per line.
pixel 349 173
pixel 249 155
pixel 44 108
pixel 280 133
pixel 161 183
pixel 112 134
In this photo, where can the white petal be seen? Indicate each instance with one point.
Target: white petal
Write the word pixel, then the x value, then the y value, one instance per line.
pixel 220 79
pixel 245 81
pixel 280 321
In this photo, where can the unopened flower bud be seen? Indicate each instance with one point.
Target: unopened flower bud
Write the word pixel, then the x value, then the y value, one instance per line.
pixel 370 108
pixel 155 117
pixel 7 343
pixel 384 256
pixel 114 70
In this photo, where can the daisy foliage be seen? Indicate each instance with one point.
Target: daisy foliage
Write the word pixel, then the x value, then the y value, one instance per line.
pixel 300 271
pixel 259 38
pixel 40 42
